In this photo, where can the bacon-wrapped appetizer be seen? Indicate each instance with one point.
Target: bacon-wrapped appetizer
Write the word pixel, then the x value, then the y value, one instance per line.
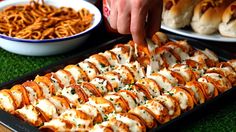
pixel 89 68
pixel 162 81
pixel 158 110
pixel 144 114
pixel 90 89
pixel 74 94
pixel 220 82
pixel 130 97
pixel 140 91
pixel 81 120
pixel 7 102
pixel 33 90
pixel 102 84
pixel 115 79
pixel 47 109
pixel 57 125
pixel 46 85
pixel 60 102
pixel 65 78
pixel 171 104
pixel 112 58
pixel 185 71
pixel 55 84
pixel 151 85
pixel 78 74
pixel 118 102
pixel 183 97
pixel 31 115
pixel 92 111
pixel 127 76
pixel 225 70
pixel 103 105
pixel 136 69
pixel 101 62
pixel 102 127
pixel 232 63
pixel 123 52
pixel 20 95
pixel 196 87
pixel 133 122
pixel 208 89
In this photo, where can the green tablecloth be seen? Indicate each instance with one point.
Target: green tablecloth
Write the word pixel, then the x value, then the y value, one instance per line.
pixel 220 118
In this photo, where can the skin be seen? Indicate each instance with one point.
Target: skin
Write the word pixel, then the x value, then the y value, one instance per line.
pixel 141 18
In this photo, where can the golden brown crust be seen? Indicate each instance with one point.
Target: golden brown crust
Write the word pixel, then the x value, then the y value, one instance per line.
pixel 91 88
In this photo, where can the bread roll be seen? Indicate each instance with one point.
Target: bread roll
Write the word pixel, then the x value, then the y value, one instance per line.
pixel 228 26
pixel 207 15
pixel 178 13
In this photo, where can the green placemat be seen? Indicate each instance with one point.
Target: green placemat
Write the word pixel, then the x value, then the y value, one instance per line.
pixel 221 119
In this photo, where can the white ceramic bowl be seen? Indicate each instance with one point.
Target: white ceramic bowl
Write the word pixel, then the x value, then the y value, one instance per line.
pixel 50 46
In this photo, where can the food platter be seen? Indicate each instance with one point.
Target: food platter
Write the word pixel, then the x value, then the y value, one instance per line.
pixel 16 124
pixel 188 32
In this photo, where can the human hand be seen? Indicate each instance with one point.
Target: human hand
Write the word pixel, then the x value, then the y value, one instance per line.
pixel 140 18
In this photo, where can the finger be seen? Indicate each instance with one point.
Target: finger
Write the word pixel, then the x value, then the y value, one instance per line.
pixel 123 20
pixel 114 14
pixel 138 17
pixel 154 18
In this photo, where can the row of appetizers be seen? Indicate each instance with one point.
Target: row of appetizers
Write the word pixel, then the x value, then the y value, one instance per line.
pixel 89 87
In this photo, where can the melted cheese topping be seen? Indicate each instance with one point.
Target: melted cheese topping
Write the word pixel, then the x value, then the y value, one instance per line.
pixel 100 84
pixel 76 74
pixel 171 60
pixel 155 107
pixel 89 70
pixel 183 71
pixel 60 108
pixel 5 102
pixel 165 85
pixel 18 96
pixel 88 109
pixel 102 68
pixel 144 114
pixel 114 80
pixel 45 89
pixel 108 55
pixel 55 84
pixel 70 94
pixel 210 54
pixel 29 112
pixel 113 99
pixel 168 103
pixel 32 94
pixel 100 107
pixel 87 92
pixel 183 55
pixel 136 69
pixel 47 107
pixel 64 78
pixel 151 87
pixel 166 73
pixel 210 86
pixel 182 98
pixel 57 123
pixel 134 126
pixel 72 116
pixel 122 57
pixel 131 102
pixel 196 94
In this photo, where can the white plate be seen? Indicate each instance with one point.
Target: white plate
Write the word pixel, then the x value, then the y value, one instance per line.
pixel 190 33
